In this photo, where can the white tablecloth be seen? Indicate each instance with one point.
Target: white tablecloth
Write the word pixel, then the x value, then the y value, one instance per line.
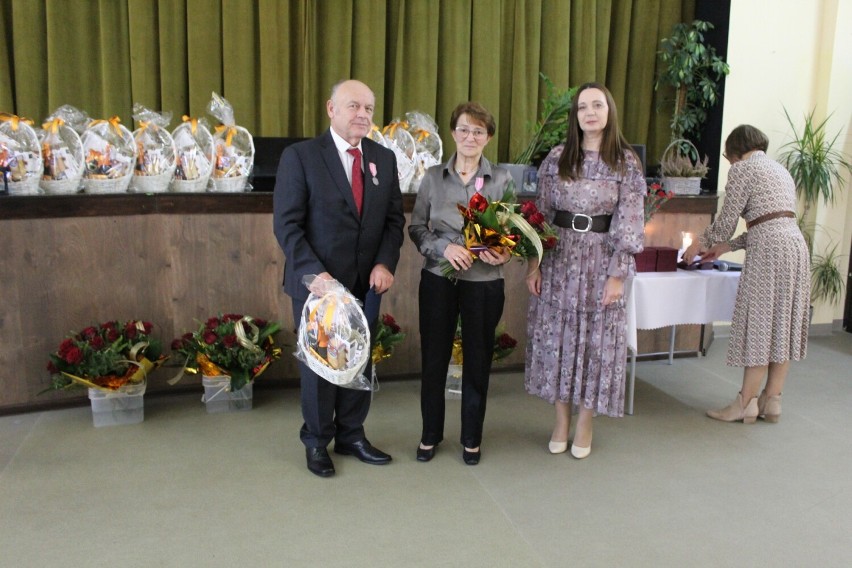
pixel 664 299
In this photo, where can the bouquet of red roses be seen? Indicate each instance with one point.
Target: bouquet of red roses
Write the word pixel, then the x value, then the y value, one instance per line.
pixel 655 199
pixel 106 357
pixel 388 336
pixel 503 225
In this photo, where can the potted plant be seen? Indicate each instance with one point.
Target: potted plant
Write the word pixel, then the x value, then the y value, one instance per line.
pixel 229 351
pixel 552 128
pixel 816 164
pixel 681 173
pixel 693 70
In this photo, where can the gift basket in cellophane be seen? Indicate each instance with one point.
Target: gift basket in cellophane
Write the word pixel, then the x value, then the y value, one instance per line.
pixel 62 151
pixel 155 151
pixel 427 145
pixel 110 153
pixel 334 337
pixel 20 155
pixel 233 149
pixel 401 142
pixel 194 145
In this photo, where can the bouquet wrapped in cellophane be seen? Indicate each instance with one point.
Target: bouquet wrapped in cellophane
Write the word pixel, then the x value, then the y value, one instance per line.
pixel 110 153
pixel 62 150
pixel 400 141
pixel 155 151
pixel 20 156
pixel 194 145
pixel 233 148
pixel 334 336
pixel 503 225
pixel 427 144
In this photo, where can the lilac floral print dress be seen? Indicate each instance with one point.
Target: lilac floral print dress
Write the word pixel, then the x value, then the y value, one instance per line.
pixel 576 348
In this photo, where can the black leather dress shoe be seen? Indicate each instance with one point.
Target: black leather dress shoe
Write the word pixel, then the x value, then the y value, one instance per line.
pixel 364 451
pixel 426 455
pixel 471 458
pixel 319 462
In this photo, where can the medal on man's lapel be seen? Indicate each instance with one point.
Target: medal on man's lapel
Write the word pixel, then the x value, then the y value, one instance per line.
pixel 373 171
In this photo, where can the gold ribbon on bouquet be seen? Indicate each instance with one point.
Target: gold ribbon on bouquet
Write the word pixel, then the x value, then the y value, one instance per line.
pixel 421 134
pixel 391 128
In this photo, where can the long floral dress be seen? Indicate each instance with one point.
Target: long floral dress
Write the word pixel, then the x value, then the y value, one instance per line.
pixel 577 349
pixel 771 315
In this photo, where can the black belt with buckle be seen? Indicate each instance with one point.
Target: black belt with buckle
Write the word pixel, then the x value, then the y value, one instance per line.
pixel 582 223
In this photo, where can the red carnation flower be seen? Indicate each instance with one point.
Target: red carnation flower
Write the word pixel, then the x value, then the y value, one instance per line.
pixel 97 343
pixel 210 337
pixel 213 323
pixel 66 346
pixel 229 341
pixel 112 334
pixel 548 242
pixel 88 333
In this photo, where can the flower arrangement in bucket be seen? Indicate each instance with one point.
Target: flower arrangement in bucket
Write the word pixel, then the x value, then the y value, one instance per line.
pixel 229 351
pixel 504 345
pixel 113 361
pixel 388 336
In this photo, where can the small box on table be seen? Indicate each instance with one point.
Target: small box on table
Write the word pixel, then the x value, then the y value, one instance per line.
pixel 666 259
pixel 646 261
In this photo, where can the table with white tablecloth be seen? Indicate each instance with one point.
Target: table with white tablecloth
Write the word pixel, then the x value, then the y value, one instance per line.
pixel 666 299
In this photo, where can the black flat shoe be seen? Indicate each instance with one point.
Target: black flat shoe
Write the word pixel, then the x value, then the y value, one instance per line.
pixel 319 462
pixel 364 451
pixel 471 458
pixel 426 455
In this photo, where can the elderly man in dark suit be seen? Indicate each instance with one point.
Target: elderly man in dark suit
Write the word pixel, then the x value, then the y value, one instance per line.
pixel 338 214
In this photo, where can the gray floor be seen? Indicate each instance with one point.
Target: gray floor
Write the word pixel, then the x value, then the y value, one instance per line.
pixel 665 487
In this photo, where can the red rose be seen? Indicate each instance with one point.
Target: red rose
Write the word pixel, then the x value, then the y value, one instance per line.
pixel 112 334
pixel 536 218
pixel 73 356
pixel 88 333
pixel 210 337
pixel 97 343
pixel 213 323
pixel 65 347
pixel 478 202
pixel 130 330
pixel 528 208
pixel 108 325
pixel 548 242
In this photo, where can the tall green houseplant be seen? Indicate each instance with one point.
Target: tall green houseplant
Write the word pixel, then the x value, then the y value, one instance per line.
pixel 693 70
pixel 817 165
pixel 552 128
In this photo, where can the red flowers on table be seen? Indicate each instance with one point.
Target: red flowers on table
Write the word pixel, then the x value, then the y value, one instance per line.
pixel 655 199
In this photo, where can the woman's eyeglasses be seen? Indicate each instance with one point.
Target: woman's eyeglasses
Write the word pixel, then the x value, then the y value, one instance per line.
pixel 478 133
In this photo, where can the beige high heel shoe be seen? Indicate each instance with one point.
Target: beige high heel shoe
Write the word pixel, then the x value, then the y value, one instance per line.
pixel 769 407
pixel 737 411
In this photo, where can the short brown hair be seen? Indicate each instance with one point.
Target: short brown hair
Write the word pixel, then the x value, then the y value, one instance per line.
pixel 743 139
pixel 476 112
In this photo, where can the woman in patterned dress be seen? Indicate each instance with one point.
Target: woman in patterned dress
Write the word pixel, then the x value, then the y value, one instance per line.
pixel 592 188
pixel 772 311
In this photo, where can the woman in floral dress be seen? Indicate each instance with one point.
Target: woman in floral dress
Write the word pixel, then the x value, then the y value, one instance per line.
pixel 771 315
pixel 592 188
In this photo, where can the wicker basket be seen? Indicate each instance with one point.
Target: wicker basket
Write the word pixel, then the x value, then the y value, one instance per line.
pixel 28 186
pixel 682 186
pixel 229 184
pixel 152 184
pixel 198 185
pixel 680 162
pixel 100 186
pixel 60 186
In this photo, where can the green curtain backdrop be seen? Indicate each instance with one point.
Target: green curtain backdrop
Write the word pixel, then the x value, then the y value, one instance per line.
pixel 275 60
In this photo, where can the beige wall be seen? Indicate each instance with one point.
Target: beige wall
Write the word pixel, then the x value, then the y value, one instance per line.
pixel 794 54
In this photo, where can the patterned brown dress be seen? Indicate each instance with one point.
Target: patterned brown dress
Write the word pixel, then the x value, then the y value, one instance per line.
pixel 772 311
pixel 577 349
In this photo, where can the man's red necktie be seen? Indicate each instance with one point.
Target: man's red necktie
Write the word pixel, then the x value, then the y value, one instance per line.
pixel 357 178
